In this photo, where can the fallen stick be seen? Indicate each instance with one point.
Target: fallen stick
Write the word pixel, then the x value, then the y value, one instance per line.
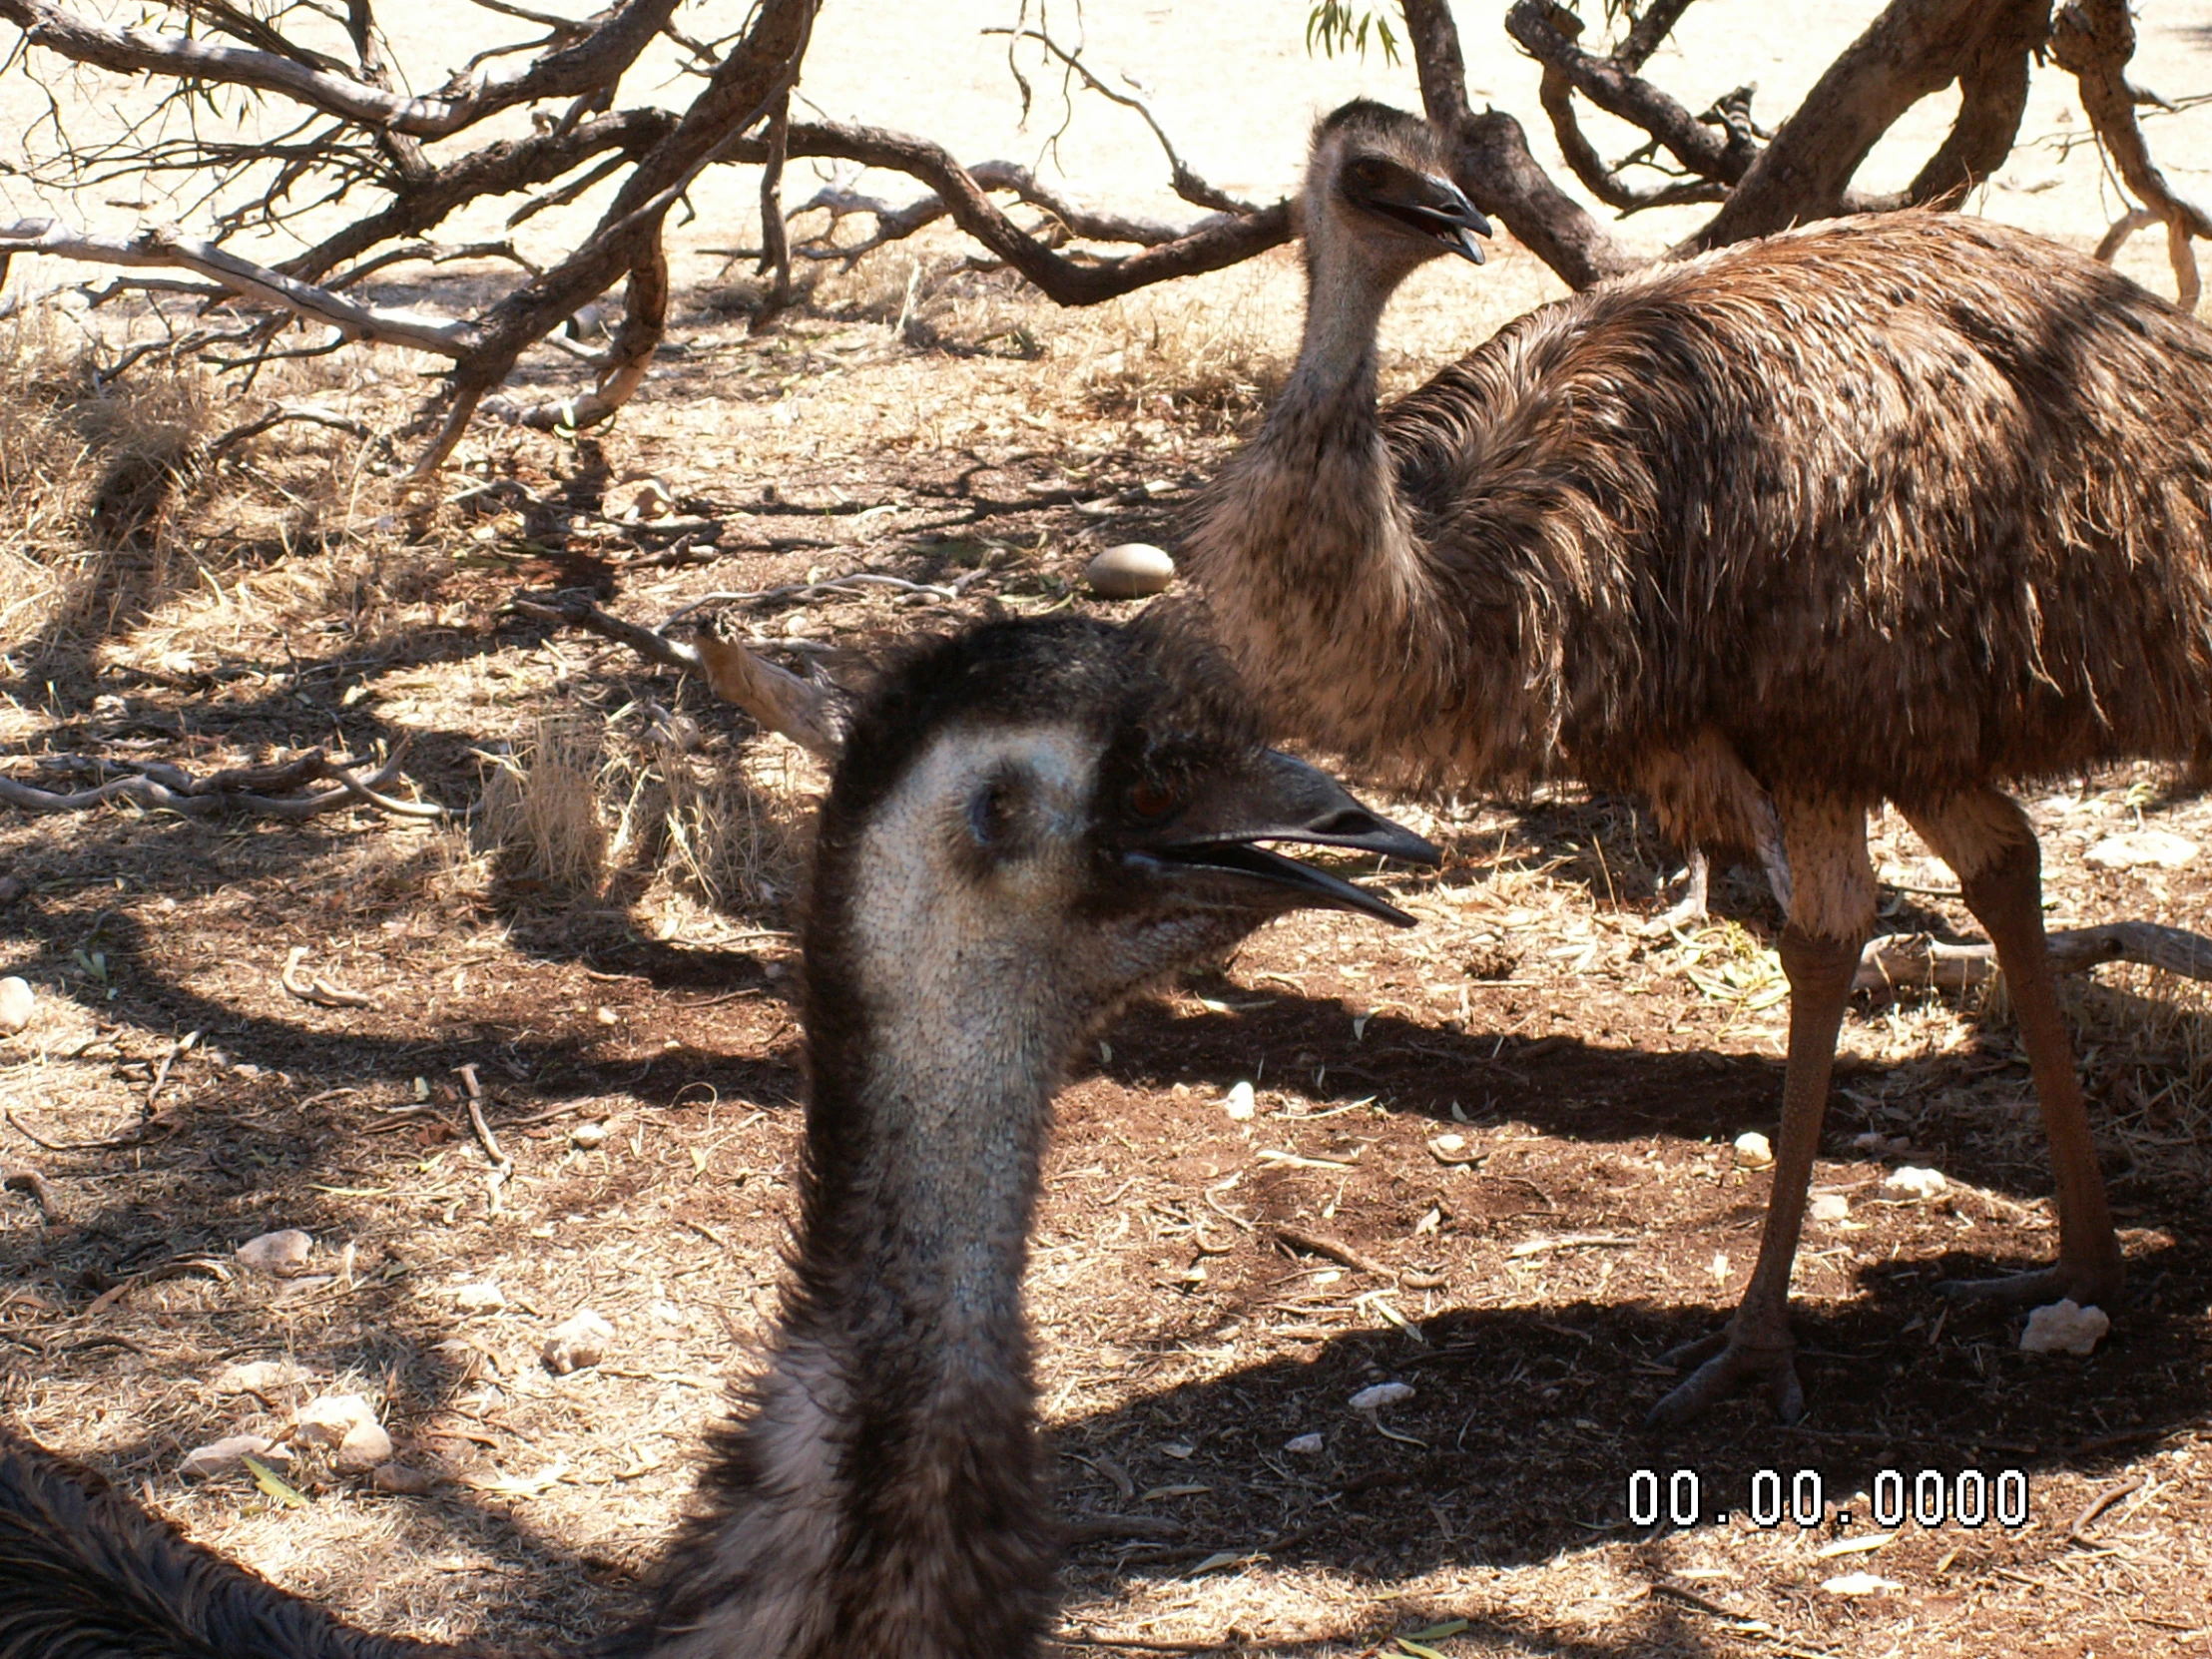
pixel 1917 961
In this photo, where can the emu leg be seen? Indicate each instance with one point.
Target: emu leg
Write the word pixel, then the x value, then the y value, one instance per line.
pixel 1832 911
pixel 1988 841
pixel 1690 910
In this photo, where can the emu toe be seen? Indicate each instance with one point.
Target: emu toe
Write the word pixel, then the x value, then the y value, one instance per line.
pixel 1728 1363
pixel 2088 1284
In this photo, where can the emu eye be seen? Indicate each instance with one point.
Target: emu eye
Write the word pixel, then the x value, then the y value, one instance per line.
pixel 1369 172
pixel 1150 798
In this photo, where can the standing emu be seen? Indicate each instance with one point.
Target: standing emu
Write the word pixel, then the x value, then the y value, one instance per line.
pixel 1028 822
pixel 1888 508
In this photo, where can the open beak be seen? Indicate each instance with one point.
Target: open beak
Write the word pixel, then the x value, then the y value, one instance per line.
pixel 1438 208
pixel 1279 798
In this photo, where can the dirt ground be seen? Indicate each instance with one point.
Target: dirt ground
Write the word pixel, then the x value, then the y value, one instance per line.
pixel 1511 1127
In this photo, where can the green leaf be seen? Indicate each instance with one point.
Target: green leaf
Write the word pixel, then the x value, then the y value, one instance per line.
pixel 275 1486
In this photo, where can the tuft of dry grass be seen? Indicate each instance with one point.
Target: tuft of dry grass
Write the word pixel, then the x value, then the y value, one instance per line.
pixel 541 817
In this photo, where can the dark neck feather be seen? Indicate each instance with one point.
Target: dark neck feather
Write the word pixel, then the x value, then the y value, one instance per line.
pixel 884 1494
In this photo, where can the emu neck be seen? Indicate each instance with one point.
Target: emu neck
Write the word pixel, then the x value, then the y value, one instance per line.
pixel 1313 570
pixel 886 1493
pixel 1332 389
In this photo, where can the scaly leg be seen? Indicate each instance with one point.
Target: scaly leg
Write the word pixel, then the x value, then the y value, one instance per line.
pixel 1831 914
pixel 1690 910
pixel 1988 841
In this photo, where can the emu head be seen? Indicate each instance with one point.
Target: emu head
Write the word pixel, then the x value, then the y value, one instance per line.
pixel 1379 187
pixel 1036 817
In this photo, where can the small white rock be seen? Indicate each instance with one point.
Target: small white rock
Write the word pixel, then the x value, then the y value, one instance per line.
pixel 283 1254
pixel 1453 1149
pixel 1753 1150
pixel 327 1420
pixel 1859 1584
pixel 1380 1394
pixel 479 1298
pixel 1241 1102
pixel 399 1477
pixel 1829 1207
pixel 1134 570
pixel 588 1134
pixel 577 1341
pixel 365 1447
pixel 1908 1182
pixel 16 1004
pixel 2064 1328
pixel 2141 847
pixel 259 1377
pixel 228 1456
pixel 1304 1446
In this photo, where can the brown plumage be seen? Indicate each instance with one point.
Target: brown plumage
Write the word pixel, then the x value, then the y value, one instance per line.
pixel 1028 821
pixel 1888 508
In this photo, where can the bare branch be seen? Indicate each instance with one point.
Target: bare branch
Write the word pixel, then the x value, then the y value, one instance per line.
pixel 775 244
pixel 260 790
pixel 1544 31
pixel 1188 185
pixel 597 61
pixel 249 280
pixel 623 369
pixel 1914 48
pixel 1492 164
pixel 282 414
pixel 814 717
pixel 1555 93
pixel 1068 280
pixel 1917 961
pixel 2093 40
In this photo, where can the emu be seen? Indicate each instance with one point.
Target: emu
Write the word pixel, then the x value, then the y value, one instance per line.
pixel 1027 822
pixel 1899 508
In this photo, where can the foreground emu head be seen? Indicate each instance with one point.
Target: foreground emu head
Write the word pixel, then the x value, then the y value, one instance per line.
pixel 1068 810
pixel 1379 181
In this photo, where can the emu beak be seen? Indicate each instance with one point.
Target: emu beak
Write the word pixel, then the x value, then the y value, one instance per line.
pixel 1440 209
pixel 1280 799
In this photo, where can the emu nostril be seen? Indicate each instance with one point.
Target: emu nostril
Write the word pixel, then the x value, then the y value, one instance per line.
pixel 1346 822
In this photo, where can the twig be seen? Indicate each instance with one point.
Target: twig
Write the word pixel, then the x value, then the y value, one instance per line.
pixel 26 1178
pixel 307 412
pixel 810 716
pixel 317 989
pixel 503 1166
pixel 161 1072
pixel 1321 1244
pixel 1188 185
pixel 159 785
pixel 849 583
pixel 2097 1505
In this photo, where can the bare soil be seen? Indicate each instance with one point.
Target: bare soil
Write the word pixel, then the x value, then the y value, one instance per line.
pixel 1522 1279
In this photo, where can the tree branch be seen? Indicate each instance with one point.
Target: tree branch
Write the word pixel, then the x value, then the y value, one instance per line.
pixel 1212 243
pixel 260 790
pixel 1540 29
pixel 811 716
pixel 1914 48
pixel 249 280
pixel 2093 40
pixel 1492 164
pixel 597 61
pixel 1918 961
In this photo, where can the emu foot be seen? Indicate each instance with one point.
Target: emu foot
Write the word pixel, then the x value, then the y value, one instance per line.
pixel 2088 1284
pixel 1724 1365
pixel 1690 910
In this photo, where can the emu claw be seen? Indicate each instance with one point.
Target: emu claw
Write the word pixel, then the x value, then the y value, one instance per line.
pixel 1725 1365
pixel 2097 1285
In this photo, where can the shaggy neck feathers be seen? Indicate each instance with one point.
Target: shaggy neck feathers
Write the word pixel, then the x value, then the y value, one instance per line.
pixel 886 1493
